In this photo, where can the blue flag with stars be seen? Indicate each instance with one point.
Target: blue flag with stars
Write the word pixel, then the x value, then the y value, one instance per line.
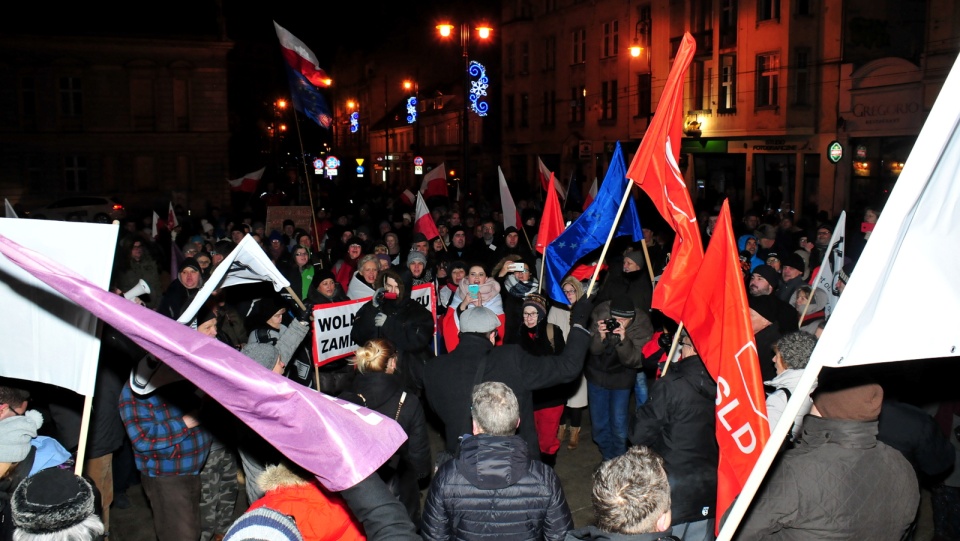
pixel 591 229
pixel 307 99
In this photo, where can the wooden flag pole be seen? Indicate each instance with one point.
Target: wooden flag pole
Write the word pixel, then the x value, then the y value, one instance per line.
pixel 673 349
pixel 806 305
pixel 606 245
pixel 306 179
pixel 84 430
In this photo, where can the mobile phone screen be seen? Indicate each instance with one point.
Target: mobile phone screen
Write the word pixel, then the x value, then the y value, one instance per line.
pixel 474 289
pixel 866 227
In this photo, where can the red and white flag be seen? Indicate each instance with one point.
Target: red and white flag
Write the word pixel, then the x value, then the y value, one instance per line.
pixel 435 182
pixel 172 218
pixel 408 198
pixel 247 183
pixel 655 170
pixel 551 224
pixel 545 182
pixel 156 220
pixel 424 222
pixel 511 218
pixel 717 318
pixel 301 58
pixel 591 195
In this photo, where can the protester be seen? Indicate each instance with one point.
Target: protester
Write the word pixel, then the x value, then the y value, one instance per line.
pixel 791 354
pixel 363 281
pixel 493 471
pixel 55 504
pixel 487 295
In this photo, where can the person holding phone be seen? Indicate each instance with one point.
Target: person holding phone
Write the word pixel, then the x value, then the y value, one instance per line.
pixel 476 289
pixel 858 241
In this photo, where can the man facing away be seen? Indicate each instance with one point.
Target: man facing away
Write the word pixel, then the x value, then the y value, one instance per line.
pixel 494 489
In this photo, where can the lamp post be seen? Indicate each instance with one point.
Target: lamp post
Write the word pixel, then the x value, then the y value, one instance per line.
pixel 483 32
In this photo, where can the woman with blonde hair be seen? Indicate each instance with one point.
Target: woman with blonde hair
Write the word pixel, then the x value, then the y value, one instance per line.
pixel 573 411
pixel 378 387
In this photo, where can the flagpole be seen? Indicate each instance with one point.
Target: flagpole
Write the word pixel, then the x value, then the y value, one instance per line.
pixel 806 306
pixel 529 244
pixel 673 349
pixel 606 245
pixel 306 178
pixel 84 430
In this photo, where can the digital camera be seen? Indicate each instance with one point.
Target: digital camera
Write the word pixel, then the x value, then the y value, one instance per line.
pixel 612 324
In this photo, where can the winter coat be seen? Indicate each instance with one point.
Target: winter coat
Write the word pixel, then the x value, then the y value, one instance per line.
pixel 382 392
pixel 777 400
pixel 494 490
pixel 613 362
pixel 320 515
pixel 358 288
pixel 592 532
pixel 838 483
pixel 537 341
pixel 409 326
pixel 449 380
pixel 678 422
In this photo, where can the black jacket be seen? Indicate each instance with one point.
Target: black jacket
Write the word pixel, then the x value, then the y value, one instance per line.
pixel 409 326
pixel 382 392
pixel 449 380
pixel 538 343
pixel 493 490
pixel 678 422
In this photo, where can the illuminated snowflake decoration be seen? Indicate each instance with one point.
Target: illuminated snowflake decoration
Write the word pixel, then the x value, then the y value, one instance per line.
pixel 478 88
pixel 411 110
pixel 354 122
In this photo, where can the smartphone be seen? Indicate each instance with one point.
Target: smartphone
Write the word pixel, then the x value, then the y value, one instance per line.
pixel 474 290
pixel 867 227
pixel 517 267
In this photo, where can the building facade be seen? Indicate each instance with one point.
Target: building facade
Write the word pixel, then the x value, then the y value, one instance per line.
pixel 774 84
pixel 142 120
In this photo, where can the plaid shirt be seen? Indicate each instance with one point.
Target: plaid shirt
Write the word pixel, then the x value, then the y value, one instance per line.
pixel 162 443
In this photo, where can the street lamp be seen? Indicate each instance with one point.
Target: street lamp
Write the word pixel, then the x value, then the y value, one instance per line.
pixel 484 32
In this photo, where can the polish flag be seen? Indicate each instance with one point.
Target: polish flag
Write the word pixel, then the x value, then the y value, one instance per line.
pixel 590 195
pixel 424 222
pixel 435 182
pixel 511 218
pixel 407 197
pixel 545 175
pixel 172 218
pixel 247 183
pixel 301 59
pixel 156 219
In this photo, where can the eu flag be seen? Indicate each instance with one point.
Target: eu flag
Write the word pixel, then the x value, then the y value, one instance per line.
pixel 307 98
pixel 591 229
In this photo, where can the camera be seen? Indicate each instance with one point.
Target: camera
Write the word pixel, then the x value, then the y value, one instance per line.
pixel 611 324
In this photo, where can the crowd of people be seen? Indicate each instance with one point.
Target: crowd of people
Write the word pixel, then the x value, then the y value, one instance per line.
pixel 501 371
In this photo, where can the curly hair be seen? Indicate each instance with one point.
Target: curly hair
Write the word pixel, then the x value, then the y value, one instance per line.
pixel 795 349
pixel 631 492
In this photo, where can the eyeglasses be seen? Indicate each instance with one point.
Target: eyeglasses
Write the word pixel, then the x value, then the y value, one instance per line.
pixel 528 315
pixel 569 291
pixel 298 254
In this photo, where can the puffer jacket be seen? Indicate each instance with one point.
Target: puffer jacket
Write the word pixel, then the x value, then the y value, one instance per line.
pixel 493 490
pixel 319 514
pixel 678 422
pixel 838 483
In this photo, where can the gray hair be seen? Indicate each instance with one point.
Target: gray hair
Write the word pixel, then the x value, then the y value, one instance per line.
pixel 795 349
pixel 631 492
pixel 495 408
pixel 90 529
pixel 367 259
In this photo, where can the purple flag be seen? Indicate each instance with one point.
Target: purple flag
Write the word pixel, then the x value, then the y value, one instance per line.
pixel 339 442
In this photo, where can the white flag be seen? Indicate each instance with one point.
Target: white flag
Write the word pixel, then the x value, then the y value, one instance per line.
pixel 831 265
pixel 246 264
pixel 10 213
pixel 510 216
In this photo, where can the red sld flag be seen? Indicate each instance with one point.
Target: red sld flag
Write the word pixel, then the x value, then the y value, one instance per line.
pixel 551 224
pixel 655 170
pixel 717 318
pixel 424 222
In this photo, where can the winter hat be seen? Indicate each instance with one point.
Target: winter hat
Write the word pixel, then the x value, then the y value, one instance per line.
pixel 622 306
pixel 769 274
pixel 844 274
pixel 456 265
pixel 457 229
pixel 266 355
pixel 767 306
pixel 539 302
pixel 847 395
pixel 793 260
pixel 636 256
pixel 479 319
pixel 16 433
pixel 418 237
pixel 416 256
pixel 384 257
pixel 208 227
pixel 509 230
pixel 275 235
pixel 52 500
pixel 263 524
pixel 322 274
pixel 191 263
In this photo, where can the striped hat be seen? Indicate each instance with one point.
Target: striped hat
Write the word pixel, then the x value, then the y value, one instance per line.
pixel 263 524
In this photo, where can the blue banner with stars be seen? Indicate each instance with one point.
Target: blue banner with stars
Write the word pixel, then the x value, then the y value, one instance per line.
pixel 591 229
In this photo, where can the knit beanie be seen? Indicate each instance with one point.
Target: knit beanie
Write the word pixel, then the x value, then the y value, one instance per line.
pixel 769 274
pixel 266 355
pixel 320 275
pixel 847 398
pixel 794 260
pixel 16 433
pixel 189 263
pixel 479 319
pixel 636 256
pixel 50 501
pixel 623 307
pixel 539 302
pixel 263 524
pixel 767 306
pixel 416 256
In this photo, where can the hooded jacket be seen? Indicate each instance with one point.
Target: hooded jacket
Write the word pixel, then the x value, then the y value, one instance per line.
pixel 678 422
pixel 742 245
pixel 494 490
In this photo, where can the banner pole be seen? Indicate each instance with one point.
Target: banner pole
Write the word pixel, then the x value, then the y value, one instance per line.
pixel 606 245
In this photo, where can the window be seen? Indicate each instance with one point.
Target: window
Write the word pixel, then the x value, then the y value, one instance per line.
pixel 524 110
pixel 728 23
pixel 508 108
pixel 579 46
pixel 802 77
pixel 71 97
pixel 768 10
pixel 701 82
pixel 608 97
pixel 578 104
pixel 549 108
pixel 768 79
pixel 525 58
pixel 727 100
pixel 550 53
pixel 611 39
pixel 644 95
pixel 643 29
pixel 508 60
pixel 75 173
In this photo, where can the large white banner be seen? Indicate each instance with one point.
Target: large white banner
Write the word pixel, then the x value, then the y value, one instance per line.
pixel 333 323
pixel 46 337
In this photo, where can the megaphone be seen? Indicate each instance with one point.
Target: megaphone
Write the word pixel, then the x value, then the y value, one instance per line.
pixel 140 289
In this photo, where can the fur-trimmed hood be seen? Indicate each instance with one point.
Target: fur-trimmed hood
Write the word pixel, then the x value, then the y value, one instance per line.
pixel 277 476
